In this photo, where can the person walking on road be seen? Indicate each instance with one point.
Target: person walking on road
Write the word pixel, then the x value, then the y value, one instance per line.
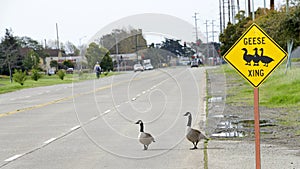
pixel 97 69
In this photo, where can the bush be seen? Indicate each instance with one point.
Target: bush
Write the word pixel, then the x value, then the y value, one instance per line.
pixel 19 76
pixel 35 75
pixel 61 74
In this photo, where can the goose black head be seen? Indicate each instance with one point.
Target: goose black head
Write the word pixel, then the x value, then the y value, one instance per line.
pixel 139 121
pixel 244 49
pixel 187 114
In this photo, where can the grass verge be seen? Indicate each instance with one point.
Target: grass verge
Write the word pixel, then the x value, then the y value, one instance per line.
pixel 280 90
pixel 6 86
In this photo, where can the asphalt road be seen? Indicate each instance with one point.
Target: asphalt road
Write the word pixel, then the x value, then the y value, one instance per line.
pixel 91 124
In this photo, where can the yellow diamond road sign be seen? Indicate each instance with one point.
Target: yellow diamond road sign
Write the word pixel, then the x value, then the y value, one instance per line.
pixel 255 55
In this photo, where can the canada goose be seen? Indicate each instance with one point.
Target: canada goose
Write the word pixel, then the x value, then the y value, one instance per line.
pixel 144 138
pixel 265 59
pixel 247 57
pixel 193 135
pixel 256 58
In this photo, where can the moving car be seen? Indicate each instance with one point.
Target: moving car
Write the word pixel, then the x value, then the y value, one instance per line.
pixel 194 63
pixel 138 67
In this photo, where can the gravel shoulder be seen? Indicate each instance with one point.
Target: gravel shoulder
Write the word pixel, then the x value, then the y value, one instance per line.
pixel 231 129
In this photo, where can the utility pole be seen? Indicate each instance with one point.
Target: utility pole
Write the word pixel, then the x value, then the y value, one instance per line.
pixel 213 31
pixel 265 7
pixel 228 1
pixel 253 14
pixel 249 8
pixel 224 22
pixel 136 48
pixel 220 10
pixel 57 38
pixel 117 52
pixel 213 35
pixel 271 5
pixel 233 11
pixel 196 28
pixel 238 5
pixel 206 23
pixel 59 52
pixel 45 43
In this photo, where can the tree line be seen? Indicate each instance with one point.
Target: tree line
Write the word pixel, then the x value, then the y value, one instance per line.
pixel 26 54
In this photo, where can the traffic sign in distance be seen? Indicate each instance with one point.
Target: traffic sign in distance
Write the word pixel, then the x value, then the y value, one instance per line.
pixel 255 55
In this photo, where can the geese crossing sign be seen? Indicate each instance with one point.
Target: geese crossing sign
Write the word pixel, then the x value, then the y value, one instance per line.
pixel 255 55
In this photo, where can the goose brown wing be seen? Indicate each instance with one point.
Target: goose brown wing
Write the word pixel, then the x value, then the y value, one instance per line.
pixel 148 135
pixel 193 135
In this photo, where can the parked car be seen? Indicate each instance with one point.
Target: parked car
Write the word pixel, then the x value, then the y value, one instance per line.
pixel 51 72
pixel 70 71
pixel 138 67
pixel 148 67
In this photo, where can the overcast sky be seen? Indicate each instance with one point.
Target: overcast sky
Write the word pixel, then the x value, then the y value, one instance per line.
pixel 82 19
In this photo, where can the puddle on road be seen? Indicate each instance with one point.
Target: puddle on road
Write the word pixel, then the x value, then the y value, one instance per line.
pixel 233 126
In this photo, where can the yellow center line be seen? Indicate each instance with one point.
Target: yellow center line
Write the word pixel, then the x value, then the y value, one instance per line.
pixel 64 99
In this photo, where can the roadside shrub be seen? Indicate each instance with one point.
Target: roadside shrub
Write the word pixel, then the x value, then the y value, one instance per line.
pixel 35 75
pixel 19 76
pixel 61 74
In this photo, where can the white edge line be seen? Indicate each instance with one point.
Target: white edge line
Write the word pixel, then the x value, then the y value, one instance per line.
pixel 75 127
pixel 138 95
pixel 14 157
pixel 107 111
pixel 50 140
pixel 93 118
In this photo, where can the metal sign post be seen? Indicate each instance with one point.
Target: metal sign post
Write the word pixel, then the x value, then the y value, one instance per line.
pixel 256 127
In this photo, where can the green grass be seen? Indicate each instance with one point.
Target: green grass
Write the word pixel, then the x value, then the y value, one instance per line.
pixel 280 89
pixel 6 86
pixel 295 59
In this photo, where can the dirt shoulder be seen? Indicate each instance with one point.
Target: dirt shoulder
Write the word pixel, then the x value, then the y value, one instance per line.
pixel 234 121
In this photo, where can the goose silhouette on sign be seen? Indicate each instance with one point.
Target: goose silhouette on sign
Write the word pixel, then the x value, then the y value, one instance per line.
pixel 256 58
pixel 247 57
pixel 265 59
